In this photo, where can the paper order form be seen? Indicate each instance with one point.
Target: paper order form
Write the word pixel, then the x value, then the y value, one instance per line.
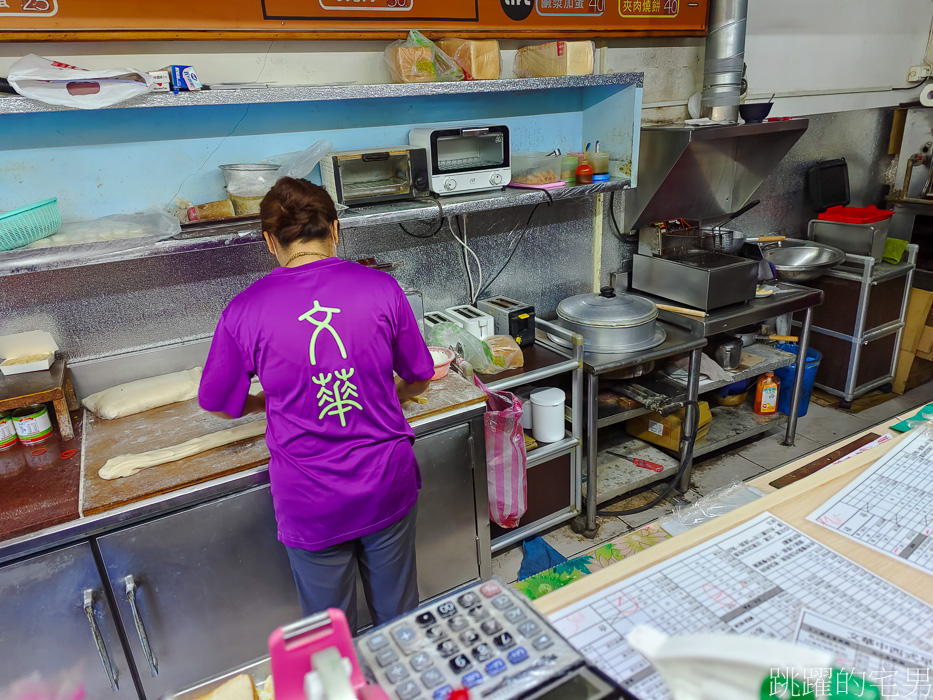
pixel 757 579
pixel 890 506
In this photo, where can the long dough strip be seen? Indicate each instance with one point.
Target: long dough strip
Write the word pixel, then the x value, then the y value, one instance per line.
pixel 127 465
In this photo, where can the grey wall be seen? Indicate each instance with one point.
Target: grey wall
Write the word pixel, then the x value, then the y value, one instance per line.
pixel 103 310
pixel 861 137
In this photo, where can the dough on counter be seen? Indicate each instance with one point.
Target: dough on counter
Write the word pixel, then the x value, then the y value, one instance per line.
pixel 237 688
pixel 127 465
pixel 144 394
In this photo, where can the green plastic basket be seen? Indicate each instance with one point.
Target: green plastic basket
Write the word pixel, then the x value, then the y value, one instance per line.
pixel 28 224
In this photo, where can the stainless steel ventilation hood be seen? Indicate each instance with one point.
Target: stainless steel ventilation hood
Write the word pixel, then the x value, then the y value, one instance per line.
pixel 705 172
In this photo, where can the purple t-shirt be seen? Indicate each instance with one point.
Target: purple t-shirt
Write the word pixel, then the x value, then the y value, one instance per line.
pixel 324 338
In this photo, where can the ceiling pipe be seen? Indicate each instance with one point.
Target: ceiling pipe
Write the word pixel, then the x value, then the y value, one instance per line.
pixel 725 58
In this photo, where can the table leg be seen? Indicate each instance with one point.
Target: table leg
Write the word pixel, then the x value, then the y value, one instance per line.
pixel 70 397
pixel 592 432
pixel 803 344
pixel 690 414
pixel 64 418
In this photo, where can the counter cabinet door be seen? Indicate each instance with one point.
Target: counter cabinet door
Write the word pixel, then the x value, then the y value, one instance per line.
pixel 448 511
pixel 55 621
pixel 198 592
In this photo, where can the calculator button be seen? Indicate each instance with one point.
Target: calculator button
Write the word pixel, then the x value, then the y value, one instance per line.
pixel 435 633
pixel 432 678
pixel 426 619
pixel 458 622
pixel 408 690
pixel 472 678
pixel 446 609
pixel 460 663
pixel 443 693
pixel 386 657
pixel 404 635
pixel 504 640
pixel 447 648
pixel 377 642
pixel 528 628
pixel 515 614
pixel 468 600
pixel 490 589
pixel 542 642
pixel 396 673
pixel 479 613
pixel 501 602
pixel 495 667
pixel 516 656
pixel 420 661
pixel 491 627
pixel 469 637
pixel 483 652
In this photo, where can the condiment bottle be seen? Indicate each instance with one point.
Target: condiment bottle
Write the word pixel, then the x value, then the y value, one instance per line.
pixel 766 394
pixel 584 173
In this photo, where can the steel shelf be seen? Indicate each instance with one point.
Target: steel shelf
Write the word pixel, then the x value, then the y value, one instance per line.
pixel 547 451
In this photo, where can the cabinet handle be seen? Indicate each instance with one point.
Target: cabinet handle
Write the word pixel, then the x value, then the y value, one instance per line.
pixel 140 629
pixel 98 639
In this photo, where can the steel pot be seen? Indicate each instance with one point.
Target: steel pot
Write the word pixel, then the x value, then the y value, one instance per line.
pixel 802 261
pixel 728 353
pixel 612 323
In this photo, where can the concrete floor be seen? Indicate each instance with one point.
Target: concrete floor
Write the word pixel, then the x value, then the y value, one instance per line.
pixel 820 427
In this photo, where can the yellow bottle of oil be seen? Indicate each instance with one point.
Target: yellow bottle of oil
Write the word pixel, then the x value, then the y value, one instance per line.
pixel 766 394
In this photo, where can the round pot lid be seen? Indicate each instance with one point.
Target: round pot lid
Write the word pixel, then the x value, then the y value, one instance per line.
pixel 607 309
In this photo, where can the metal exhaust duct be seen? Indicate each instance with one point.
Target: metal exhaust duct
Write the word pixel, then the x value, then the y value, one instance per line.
pixel 725 58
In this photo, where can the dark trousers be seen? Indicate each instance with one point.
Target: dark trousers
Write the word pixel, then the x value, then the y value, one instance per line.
pixel 326 578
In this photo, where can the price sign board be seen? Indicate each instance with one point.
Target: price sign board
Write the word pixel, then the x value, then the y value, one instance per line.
pixel 247 19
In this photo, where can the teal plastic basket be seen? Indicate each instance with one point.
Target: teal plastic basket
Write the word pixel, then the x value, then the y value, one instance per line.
pixel 28 224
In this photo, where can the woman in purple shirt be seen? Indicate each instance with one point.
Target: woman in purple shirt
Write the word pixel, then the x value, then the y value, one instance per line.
pixel 324 336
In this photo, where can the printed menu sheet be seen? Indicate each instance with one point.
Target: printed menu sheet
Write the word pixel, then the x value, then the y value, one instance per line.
pixel 890 506
pixel 756 579
pixel 897 670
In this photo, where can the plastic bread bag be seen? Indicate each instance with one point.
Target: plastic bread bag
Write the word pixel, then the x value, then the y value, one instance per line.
pixel 468 346
pixel 479 59
pixel 300 163
pixel 506 354
pixel 419 60
pixel 555 59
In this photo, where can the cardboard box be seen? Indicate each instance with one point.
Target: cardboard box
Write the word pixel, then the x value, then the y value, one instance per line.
pixel 183 77
pixel 163 81
pixel 918 316
pixel 665 432
pixel 925 346
pixel 912 371
pixel 32 351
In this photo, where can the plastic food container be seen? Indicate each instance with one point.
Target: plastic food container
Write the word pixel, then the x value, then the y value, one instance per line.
pixel 442 359
pixel 547 408
pixel 535 168
pixel 600 163
pixel 568 167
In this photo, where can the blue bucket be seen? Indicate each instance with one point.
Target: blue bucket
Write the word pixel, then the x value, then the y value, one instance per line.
pixel 786 375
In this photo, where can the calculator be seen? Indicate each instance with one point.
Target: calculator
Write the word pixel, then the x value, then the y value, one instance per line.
pixel 485 638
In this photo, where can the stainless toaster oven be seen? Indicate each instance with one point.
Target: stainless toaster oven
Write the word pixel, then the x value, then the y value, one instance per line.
pixel 378 175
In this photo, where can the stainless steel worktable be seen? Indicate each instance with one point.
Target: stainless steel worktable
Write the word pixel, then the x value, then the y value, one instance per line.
pixel 677 342
pixel 788 298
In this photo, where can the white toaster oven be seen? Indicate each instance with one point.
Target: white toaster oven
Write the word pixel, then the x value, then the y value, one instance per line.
pixel 466 159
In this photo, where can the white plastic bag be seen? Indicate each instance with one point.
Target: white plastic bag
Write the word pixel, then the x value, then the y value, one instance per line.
pixel 57 83
pixel 300 163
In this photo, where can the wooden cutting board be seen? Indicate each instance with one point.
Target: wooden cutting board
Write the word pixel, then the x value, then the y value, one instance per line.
pixel 152 430
pixel 171 425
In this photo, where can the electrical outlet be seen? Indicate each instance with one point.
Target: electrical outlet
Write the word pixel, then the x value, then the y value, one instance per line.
pixel 918 73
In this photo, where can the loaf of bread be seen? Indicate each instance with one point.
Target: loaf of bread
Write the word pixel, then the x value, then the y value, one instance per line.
pixel 411 64
pixel 237 688
pixel 478 58
pixel 556 58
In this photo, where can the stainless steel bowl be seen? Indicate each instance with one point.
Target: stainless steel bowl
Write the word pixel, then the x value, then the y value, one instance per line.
pixel 801 261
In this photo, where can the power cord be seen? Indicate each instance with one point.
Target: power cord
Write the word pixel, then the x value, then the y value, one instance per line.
pixel 549 202
pixel 440 223
pixel 685 460
pixel 622 236
pixel 461 239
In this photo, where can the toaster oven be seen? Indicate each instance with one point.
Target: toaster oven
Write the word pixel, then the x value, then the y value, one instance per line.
pixel 354 178
pixel 466 159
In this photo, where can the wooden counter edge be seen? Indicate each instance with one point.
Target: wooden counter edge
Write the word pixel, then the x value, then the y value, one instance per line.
pixel 851 468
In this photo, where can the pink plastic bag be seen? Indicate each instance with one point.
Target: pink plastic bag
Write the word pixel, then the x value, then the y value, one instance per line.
pixel 506 469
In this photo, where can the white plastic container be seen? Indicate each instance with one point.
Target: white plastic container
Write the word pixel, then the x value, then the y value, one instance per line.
pixel 524 395
pixel 547 408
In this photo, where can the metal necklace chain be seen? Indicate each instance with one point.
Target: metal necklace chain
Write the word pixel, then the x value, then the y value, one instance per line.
pixel 288 262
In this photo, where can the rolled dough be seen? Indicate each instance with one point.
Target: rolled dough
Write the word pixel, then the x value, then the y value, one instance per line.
pixel 144 394
pixel 127 465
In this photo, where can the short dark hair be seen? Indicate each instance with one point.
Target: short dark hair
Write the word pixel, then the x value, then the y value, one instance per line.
pixel 297 210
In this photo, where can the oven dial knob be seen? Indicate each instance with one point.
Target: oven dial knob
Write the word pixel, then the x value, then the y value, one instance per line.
pixel 495 179
pixel 450 184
